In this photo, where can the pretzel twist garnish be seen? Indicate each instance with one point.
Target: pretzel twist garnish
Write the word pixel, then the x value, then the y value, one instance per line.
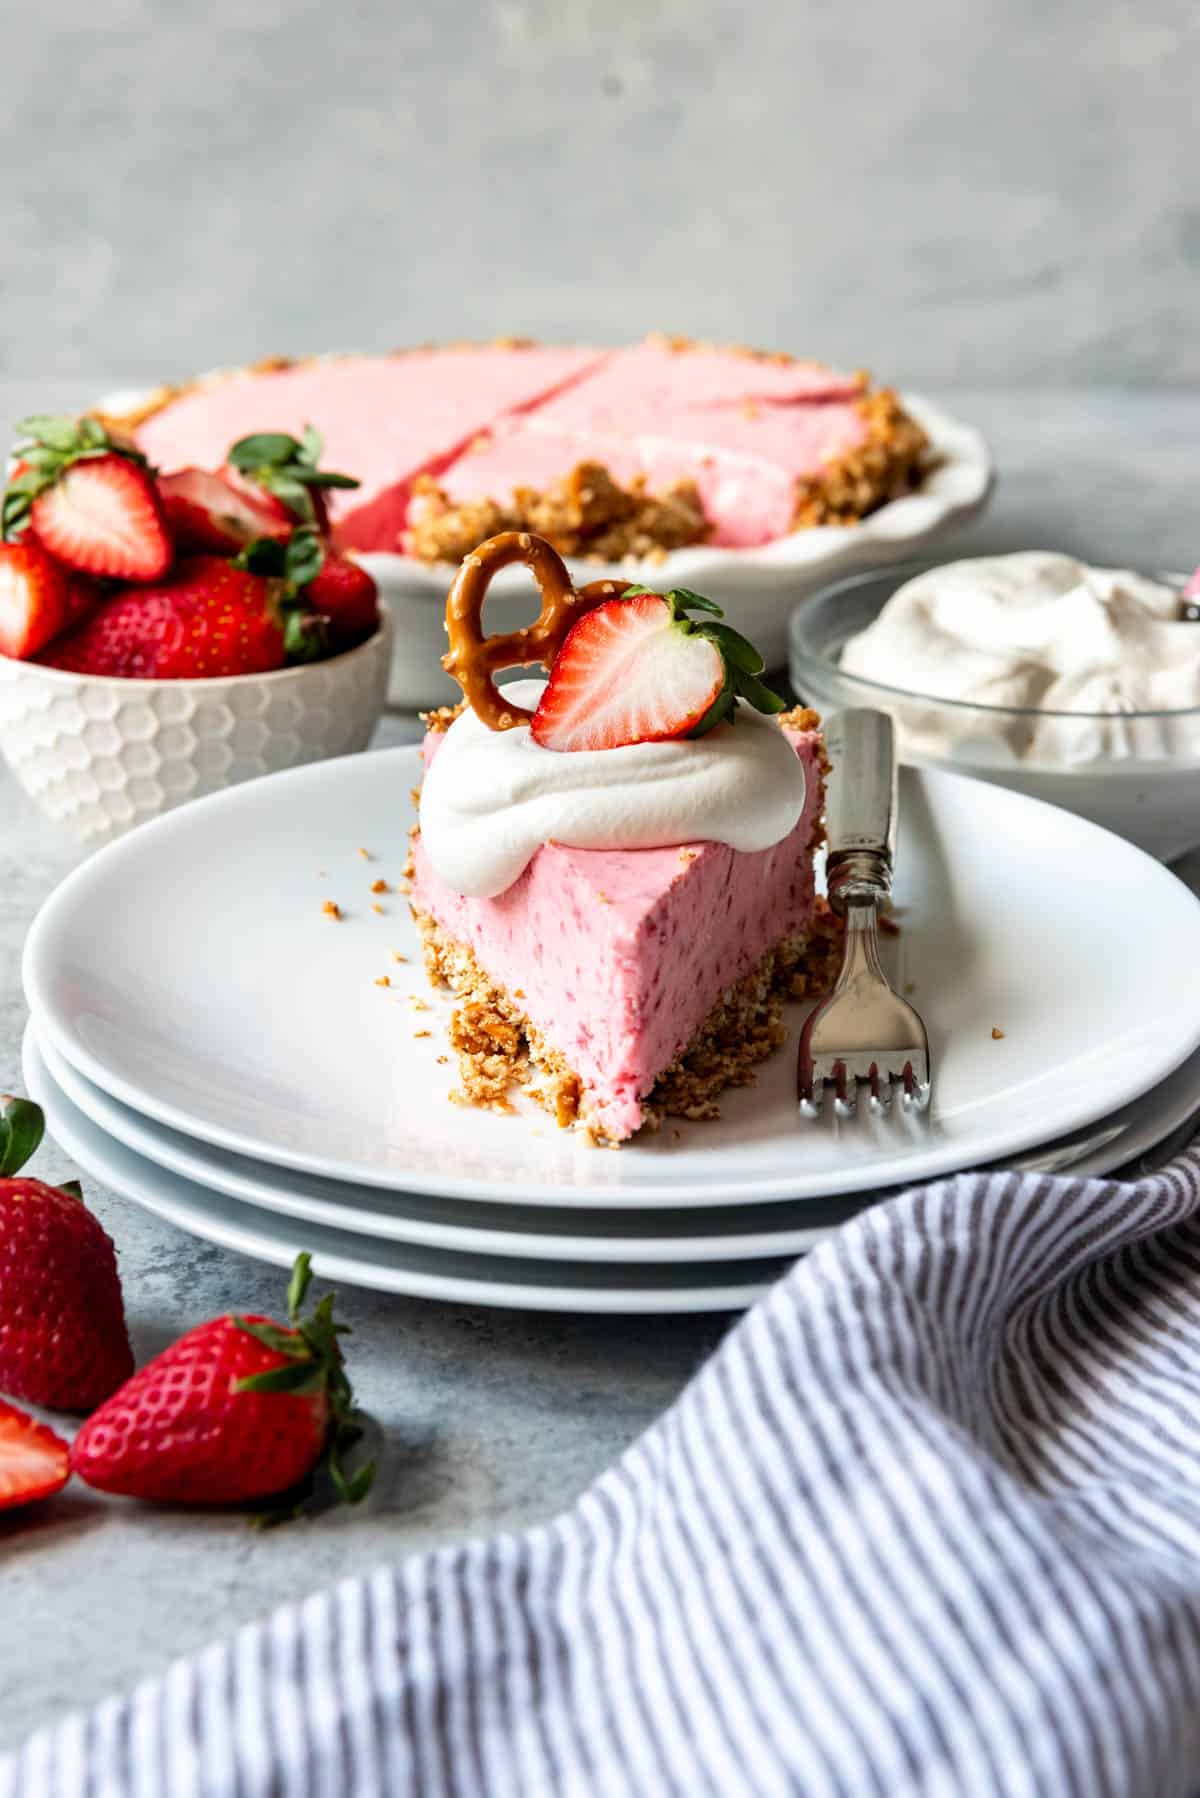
pixel 474 659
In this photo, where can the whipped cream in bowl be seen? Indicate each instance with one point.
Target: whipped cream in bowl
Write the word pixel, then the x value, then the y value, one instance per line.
pixel 1039 671
pixel 491 799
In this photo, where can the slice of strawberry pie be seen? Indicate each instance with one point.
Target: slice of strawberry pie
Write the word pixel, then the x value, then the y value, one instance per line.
pixel 614 869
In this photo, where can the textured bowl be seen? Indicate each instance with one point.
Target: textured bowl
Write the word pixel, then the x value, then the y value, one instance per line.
pixel 101 756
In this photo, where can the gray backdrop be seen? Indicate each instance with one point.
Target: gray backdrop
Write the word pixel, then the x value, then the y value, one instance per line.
pixel 947 190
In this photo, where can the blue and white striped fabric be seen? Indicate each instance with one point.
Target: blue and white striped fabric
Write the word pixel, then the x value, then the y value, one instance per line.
pixel 929 1521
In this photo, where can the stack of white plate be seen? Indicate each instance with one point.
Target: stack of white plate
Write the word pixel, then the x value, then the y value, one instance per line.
pixel 209 1041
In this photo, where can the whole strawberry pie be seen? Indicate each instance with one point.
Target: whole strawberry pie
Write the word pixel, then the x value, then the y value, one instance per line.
pixel 613 868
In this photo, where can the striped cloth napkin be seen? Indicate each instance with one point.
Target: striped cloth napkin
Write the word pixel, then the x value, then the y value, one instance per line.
pixel 928 1521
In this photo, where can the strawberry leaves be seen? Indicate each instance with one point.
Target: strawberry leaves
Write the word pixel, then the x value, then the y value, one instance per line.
pixel 47 445
pixel 293 563
pixel 742 662
pixel 313 1363
pixel 287 467
pixel 22 1127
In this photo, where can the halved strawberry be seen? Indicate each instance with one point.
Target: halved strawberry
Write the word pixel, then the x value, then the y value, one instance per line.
pixel 104 516
pixel 285 470
pixel 38 599
pixel 34 1462
pixel 639 670
pixel 281 514
pixel 209 619
pixel 208 516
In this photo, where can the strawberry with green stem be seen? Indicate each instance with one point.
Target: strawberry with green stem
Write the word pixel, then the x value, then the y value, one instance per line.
pixel 240 1409
pixel 63 1340
pixel 286 469
pixel 328 603
pixel 88 497
pixel 638 669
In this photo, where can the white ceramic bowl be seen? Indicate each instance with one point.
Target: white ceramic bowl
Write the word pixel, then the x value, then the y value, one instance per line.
pixel 101 755
pixel 1150 796
pixel 758 586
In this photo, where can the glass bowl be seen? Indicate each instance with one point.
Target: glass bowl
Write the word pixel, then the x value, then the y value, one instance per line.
pixel 1136 773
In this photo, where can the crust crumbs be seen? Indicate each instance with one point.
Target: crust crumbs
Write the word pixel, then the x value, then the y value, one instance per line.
pixel 498 1047
pixel 441 719
pixel 584 513
pixel 893 461
pixel 801 717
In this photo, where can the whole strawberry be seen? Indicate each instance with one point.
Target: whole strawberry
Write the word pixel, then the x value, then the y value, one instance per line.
pixel 210 618
pixel 345 595
pixel 63 1340
pixel 241 1408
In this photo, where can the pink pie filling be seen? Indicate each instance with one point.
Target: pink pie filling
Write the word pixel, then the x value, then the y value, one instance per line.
pixel 385 419
pixel 745 429
pixel 618 956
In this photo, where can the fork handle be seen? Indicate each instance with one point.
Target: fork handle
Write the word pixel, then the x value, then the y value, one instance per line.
pixel 860 806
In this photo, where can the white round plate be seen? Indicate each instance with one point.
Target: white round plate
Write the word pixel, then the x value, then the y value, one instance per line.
pixel 573 1233
pixel 566 1233
pixel 190 971
pixel 511 1283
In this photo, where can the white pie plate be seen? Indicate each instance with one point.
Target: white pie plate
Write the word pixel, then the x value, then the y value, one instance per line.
pixel 759 586
pixel 545 1233
pixel 189 971
pixel 582 1285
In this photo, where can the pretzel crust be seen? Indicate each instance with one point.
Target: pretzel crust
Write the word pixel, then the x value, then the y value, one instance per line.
pixel 474 659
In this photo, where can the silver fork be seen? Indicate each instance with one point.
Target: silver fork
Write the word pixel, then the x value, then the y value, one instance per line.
pixel 864 1031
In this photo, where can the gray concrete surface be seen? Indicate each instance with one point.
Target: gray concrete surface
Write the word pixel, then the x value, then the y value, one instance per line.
pixel 489 1420
pixel 997 191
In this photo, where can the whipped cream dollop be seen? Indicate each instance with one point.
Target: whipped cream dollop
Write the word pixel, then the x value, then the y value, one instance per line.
pixel 492 798
pixel 1043 633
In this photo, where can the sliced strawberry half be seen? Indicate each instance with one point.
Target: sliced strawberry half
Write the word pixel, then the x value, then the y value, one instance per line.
pixel 38 599
pixel 639 670
pixel 34 1462
pixel 286 471
pixel 208 516
pixel 104 517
